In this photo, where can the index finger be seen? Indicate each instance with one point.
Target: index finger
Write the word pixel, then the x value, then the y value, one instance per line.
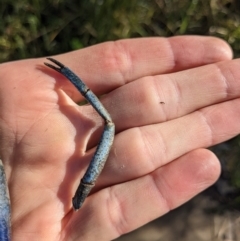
pixel 106 66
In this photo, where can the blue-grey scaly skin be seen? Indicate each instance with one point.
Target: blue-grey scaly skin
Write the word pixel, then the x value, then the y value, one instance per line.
pixel 96 165
pixel 87 93
pixel 100 157
pixel 4 207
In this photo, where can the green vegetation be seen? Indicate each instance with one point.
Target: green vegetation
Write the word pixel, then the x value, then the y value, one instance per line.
pixel 34 28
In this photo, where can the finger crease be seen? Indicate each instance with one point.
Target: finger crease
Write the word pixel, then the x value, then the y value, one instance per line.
pixel 150 153
pixel 124 61
pixel 224 81
pixel 116 213
pixel 171 53
pixel 208 126
pixel 165 203
pixel 178 95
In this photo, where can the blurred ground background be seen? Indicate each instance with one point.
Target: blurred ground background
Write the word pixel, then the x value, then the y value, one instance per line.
pixel 35 28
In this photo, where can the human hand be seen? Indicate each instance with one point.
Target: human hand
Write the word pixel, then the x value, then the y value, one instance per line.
pixel 166 110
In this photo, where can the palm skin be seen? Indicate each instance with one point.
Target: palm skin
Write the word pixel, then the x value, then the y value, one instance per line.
pixel 156 163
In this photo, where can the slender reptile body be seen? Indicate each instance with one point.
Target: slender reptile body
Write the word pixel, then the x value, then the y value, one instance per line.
pixel 4 207
pixel 98 160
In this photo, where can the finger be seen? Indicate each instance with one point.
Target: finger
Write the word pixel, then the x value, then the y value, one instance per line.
pixel 107 66
pixel 157 99
pixel 139 151
pixel 122 208
pixel 161 98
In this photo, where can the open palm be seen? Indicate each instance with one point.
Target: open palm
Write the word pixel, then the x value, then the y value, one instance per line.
pixel 165 107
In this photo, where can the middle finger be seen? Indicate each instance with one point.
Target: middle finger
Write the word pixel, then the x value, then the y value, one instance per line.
pixel 160 98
